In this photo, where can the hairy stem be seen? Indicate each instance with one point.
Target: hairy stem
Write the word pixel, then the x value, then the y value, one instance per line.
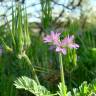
pixel 32 68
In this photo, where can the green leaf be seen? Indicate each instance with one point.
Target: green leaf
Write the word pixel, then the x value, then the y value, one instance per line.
pixel 83 88
pixel 60 92
pixel 31 86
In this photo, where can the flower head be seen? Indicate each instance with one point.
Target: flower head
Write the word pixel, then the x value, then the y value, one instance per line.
pixel 53 38
pixel 60 45
pixel 69 42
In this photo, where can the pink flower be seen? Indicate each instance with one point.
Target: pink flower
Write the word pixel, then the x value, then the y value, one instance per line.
pixel 53 38
pixel 69 42
pixel 62 50
pixel 60 46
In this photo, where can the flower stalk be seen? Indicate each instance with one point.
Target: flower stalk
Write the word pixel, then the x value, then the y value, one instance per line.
pixel 62 75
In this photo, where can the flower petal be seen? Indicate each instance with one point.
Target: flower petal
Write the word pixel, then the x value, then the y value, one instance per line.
pixel 52 47
pixel 64 51
pixel 47 39
pixel 58 49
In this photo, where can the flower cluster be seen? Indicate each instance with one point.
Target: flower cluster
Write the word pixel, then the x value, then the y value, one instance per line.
pixel 60 45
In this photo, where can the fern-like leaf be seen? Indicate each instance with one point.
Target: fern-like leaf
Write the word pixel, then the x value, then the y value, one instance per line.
pixel 31 86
